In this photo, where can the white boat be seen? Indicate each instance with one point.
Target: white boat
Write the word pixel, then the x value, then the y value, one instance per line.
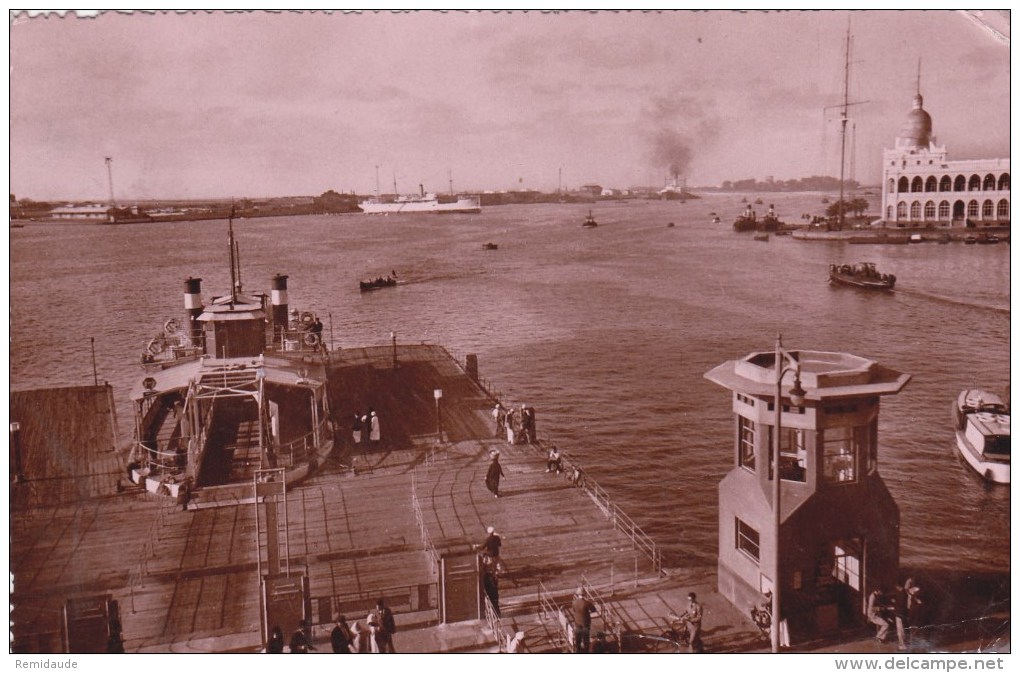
pixel 981 420
pixel 423 203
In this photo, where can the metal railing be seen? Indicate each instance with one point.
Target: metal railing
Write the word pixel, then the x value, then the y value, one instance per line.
pixel 297 450
pixel 419 517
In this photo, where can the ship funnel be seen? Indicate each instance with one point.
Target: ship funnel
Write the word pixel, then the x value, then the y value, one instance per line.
pixel 193 307
pixel 280 306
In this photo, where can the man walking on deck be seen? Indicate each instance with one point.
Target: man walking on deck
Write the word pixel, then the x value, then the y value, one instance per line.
pixel 494 473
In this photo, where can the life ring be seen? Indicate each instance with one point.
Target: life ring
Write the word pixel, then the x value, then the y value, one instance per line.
pixel 311 339
pixel 307 318
pixel 171 326
pixel 156 346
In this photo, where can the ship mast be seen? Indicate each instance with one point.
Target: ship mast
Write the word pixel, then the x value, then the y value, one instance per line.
pixel 843 120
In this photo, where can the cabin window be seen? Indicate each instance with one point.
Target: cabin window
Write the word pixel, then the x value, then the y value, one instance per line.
pixel 745 453
pixel 792 454
pixel 997 445
pixel 846 567
pixel 839 454
pixel 748 541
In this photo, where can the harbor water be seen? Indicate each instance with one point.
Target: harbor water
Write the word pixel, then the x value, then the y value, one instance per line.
pixel 606 331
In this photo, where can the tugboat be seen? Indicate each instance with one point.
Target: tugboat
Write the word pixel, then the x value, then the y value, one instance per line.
pixel 589 222
pixel 981 420
pixel 490 246
pixel 234 390
pixel 748 221
pixel 863 275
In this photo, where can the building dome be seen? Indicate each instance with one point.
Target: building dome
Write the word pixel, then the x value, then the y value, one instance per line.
pixel 916 130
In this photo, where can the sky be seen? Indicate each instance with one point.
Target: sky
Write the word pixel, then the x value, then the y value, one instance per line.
pixel 257 104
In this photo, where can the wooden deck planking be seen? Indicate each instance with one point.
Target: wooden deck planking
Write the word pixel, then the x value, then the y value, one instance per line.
pixel 181 576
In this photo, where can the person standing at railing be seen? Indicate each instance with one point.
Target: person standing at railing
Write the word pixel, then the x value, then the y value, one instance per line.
pixel 582 610
pixel 490 580
pixel 554 461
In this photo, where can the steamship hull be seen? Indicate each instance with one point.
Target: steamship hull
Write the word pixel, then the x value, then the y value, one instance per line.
pixel 464 204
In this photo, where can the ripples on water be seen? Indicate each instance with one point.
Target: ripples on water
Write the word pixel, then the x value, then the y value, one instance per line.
pixel 607 332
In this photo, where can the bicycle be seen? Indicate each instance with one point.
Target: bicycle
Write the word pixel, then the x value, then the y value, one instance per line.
pixel 762 618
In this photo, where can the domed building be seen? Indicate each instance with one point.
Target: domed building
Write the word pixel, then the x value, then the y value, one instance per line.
pixel 921 188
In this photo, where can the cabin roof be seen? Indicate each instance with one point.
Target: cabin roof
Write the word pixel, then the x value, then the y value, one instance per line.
pixel 278 370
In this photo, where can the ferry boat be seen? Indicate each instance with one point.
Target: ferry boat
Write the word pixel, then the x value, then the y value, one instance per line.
pixel 981 420
pixel 589 222
pixel 863 275
pixel 422 203
pixel 236 388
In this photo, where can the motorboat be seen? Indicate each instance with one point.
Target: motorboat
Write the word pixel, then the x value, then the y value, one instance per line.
pixel 589 222
pixel 378 283
pixel 490 246
pixel 981 421
pixel 863 275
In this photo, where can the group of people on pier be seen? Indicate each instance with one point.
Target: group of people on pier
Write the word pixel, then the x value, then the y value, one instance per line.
pixel 375 636
pixel 903 608
pixel 366 427
pixel 518 425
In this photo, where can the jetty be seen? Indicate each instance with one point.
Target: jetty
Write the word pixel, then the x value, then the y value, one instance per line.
pixel 396 520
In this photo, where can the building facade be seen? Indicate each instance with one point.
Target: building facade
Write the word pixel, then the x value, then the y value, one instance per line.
pixel 838 526
pixel 922 188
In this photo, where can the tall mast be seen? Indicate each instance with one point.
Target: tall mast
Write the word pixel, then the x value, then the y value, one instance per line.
pixel 109 177
pixel 377 182
pixel 233 259
pixel 451 181
pixel 843 120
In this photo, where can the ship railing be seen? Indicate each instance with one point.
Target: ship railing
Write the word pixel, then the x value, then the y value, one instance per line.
pixel 297 450
pixel 294 340
pixel 162 460
pixel 170 347
pixel 419 517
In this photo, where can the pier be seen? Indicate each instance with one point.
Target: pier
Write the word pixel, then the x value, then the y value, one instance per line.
pixel 369 522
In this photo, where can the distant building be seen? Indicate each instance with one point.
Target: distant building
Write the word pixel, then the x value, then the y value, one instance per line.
pixel 89 213
pixel 591 190
pixel 921 187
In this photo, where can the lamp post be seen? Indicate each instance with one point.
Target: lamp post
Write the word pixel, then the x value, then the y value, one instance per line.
pixel 785 362
pixel 438 394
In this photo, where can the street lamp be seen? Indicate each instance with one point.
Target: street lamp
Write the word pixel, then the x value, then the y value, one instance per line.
pixel 438 394
pixel 785 362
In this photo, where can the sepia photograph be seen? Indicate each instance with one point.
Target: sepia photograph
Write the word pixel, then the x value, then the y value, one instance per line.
pixel 480 331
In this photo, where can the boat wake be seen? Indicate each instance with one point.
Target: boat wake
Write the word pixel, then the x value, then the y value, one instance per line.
pixel 952 301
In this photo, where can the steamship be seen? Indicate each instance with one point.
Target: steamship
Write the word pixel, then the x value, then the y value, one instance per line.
pixel 422 203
